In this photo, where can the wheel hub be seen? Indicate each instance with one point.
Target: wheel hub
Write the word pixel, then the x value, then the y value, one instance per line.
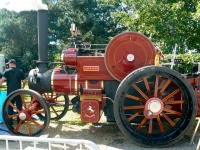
pixel 153 107
pixel 130 57
pixel 23 115
pixel 50 100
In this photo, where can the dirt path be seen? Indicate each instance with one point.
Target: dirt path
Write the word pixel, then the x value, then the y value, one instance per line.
pixel 106 136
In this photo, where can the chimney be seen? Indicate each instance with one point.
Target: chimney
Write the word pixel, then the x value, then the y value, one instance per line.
pixel 42 17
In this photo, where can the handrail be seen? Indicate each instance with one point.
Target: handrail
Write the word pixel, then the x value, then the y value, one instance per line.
pixel 47 140
pixel 172 57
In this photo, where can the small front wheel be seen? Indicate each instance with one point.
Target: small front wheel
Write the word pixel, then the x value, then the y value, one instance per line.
pixel 20 113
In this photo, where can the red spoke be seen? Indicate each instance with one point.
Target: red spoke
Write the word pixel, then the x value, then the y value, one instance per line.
pixel 174 102
pixel 170 95
pixel 156 87
pixel 40 126
pixel 160 124
pixel 150 126
pixel 164 87
pixel 29 128
pixel 23 101
pixel 45 96
pixel 133 107
pixel 38 112
pixel 33 99
pixel 135 115
pixel 13 106
pixel 57 96
pixel 147 86
pixel 54 111
pixel 12 116
pixel 143 95
pixel 172 112
pixel 17 127
pixel 168 119
pixel 140 125
pixel 59 101
pixel 35 105
pixel 134 97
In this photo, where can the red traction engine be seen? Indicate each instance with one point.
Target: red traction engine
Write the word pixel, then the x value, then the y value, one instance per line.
pixel 154 106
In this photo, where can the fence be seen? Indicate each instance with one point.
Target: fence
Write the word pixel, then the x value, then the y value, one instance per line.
pixel 67 143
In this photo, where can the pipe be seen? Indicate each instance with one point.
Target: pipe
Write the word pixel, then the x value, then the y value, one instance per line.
pixel 42 17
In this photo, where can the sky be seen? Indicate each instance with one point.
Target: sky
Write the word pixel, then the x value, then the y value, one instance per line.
pixel 21 5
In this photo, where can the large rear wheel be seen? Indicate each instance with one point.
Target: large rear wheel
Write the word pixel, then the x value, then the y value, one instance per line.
pixel 22 118
pixel 155 106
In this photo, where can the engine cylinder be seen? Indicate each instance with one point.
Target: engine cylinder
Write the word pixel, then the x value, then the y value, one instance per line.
pixel 68 56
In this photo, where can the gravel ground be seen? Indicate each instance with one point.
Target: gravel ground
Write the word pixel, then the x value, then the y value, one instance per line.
pixel 106 136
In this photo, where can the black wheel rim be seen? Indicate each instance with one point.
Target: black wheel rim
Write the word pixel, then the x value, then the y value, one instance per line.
pixel 26 122
pixel 155 106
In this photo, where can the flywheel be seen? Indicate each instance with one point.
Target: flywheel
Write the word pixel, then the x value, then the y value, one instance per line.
pixel 127 52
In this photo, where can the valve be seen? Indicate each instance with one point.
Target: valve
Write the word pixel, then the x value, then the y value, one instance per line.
pixel 159 55
pixel 157 60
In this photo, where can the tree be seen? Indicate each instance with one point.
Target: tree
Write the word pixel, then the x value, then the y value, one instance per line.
pixel 92 18
pixel 165 22
pixel 19 30
pixel 19 36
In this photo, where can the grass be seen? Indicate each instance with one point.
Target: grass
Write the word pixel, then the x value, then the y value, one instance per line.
pixel 73 118
pixel 3 87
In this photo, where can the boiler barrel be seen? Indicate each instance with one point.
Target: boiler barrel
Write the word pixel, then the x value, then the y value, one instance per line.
pixel 64 83
pixel 55 80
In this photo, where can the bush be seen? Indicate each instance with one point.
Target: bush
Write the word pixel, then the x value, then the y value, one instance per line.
pixel 186 63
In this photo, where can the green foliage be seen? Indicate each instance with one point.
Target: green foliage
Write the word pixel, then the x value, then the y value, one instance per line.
pixel 93 20
pixel 19 30
pixel 188 62
pixel 19 36
pixel 165 22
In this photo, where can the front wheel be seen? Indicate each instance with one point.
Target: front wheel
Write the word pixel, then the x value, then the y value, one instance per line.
pixel 20 113
pixel 155 106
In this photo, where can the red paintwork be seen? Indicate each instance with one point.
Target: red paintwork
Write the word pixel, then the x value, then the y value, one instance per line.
pixel 90 110
pixel 89 85
pixel 197 93
pixel 92 91
pixel 91 78
pixel 92 68
pixel 68 83
pixel 64 83
pixel 193 82
pixel 69 56
pixel 114 65
pixel 128 43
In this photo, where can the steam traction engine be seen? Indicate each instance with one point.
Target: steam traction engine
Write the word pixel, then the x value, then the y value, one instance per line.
pixel 152 105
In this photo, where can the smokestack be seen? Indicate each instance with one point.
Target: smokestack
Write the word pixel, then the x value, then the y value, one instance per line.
pixel 42 17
